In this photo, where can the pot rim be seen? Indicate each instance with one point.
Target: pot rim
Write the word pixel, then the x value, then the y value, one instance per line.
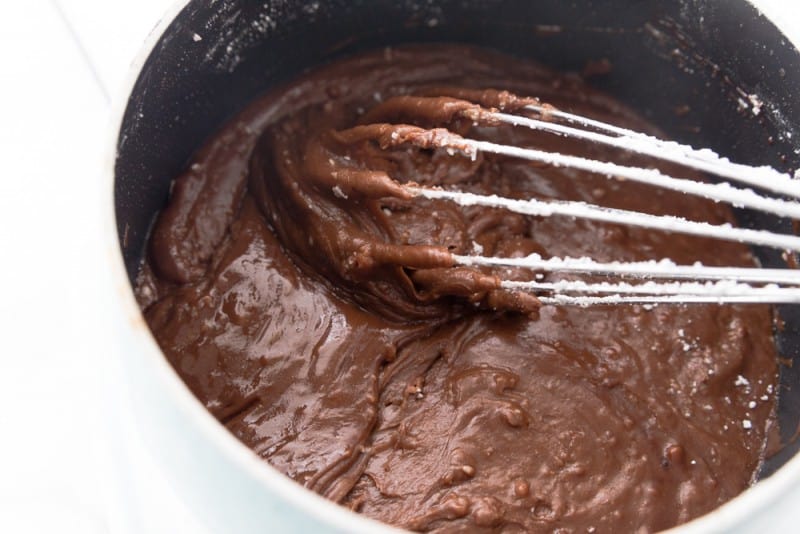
pixel 722 519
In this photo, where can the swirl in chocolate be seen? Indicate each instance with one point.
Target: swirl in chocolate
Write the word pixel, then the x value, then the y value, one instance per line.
pixel 312 304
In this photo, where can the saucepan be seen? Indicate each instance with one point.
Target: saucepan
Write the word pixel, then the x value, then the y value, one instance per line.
pixel 709 73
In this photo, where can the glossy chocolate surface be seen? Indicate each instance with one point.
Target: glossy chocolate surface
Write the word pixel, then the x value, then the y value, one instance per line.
pixel 316 322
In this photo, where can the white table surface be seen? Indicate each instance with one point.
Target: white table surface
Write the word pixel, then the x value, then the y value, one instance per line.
pixel 63 61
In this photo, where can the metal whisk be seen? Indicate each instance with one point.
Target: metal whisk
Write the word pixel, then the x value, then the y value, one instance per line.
pixel 630 282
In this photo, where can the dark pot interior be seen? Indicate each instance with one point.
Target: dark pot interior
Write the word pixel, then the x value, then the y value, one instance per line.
pixel 666 56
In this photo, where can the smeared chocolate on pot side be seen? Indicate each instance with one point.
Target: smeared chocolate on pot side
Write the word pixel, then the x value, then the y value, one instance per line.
pixel 312 309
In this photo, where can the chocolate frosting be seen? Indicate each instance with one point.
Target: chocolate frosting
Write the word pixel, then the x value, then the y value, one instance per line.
pixel 313 306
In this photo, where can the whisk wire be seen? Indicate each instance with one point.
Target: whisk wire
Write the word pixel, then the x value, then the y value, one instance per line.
pixel 680 284
pixel 706 160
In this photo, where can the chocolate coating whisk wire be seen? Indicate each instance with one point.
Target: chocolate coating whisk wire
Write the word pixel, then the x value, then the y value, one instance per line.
pixel 704 285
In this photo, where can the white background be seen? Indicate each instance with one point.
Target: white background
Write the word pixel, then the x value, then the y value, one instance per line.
pixel 62 63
